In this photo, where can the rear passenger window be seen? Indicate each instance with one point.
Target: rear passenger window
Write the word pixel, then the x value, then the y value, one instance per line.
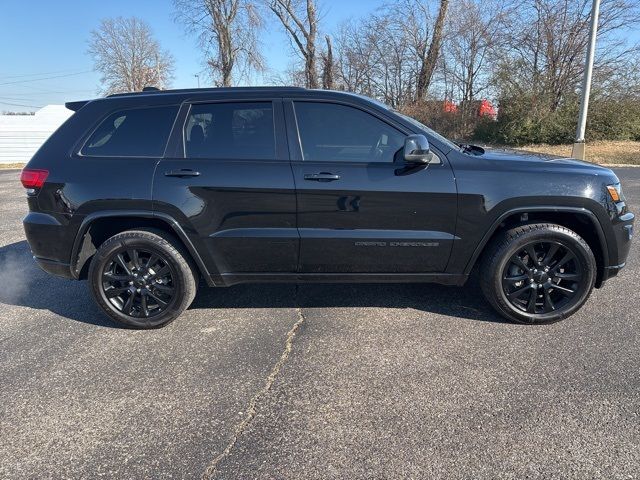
pixel 136 132
pixel 230 131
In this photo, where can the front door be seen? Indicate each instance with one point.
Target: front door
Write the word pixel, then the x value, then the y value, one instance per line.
pixel 360 208
pixel 233 187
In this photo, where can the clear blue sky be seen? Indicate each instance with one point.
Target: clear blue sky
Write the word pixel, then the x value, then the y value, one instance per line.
pixel 48 38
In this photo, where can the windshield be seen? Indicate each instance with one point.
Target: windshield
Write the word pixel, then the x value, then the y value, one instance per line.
pixel 432 133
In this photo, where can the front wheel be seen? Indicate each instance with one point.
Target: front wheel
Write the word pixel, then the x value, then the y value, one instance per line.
pixel 538 273
pixel 142 278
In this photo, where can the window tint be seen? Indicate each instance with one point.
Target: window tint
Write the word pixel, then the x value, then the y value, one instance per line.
pixel 139 132
pixel 335 132
pixel 230 130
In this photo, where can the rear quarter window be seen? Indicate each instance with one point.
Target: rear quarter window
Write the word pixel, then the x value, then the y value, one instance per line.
pixel 135 132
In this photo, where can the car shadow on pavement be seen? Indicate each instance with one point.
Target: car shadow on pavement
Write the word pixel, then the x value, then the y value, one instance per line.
pixel 462 302
pixel 465 302
pixel 22 283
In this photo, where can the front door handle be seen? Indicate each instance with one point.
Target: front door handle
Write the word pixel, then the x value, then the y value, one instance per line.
pixel 185 172
pixel 321 177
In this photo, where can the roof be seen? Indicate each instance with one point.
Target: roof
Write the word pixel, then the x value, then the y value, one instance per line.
pixel 155 91
pixel 180 95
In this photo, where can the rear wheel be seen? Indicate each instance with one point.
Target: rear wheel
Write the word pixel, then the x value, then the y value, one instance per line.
pixel 142 278
pixel 538 273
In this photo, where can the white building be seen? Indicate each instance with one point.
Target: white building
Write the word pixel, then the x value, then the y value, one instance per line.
pixel 22 135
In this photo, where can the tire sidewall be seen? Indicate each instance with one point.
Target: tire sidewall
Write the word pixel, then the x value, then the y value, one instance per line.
pixel 160 247
pixel 569 240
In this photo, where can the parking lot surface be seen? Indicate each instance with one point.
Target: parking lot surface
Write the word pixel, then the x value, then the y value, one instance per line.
pixel 316 381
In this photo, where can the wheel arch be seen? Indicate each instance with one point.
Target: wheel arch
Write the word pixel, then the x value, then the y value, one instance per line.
pixel 99 226
pixel 581 220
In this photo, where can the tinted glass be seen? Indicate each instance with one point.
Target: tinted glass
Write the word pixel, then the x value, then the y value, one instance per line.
pixel 332 132
pixel 429 131
pixel 230 130
pixel 139 132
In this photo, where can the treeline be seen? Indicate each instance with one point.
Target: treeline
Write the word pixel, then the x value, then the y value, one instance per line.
pixel 435 59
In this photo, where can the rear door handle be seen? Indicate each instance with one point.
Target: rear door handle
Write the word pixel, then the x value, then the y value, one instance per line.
pixel 185 172
pixel 321 177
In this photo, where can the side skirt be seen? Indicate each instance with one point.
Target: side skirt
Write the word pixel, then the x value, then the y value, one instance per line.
pixel 229 279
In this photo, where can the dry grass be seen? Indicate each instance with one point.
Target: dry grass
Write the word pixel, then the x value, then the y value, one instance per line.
pixel 7 166
pixel 606 152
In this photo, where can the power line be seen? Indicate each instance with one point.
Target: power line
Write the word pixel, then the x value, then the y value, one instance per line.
pixel 21 94
pixel 46 78
pixel 21 105
pixel 22 75
pixel 11 99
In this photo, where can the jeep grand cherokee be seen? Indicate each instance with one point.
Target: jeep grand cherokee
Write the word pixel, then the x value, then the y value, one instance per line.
pixel 146 194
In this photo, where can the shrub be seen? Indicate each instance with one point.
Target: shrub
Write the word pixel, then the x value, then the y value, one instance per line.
pixel 524 121
pixel 528 120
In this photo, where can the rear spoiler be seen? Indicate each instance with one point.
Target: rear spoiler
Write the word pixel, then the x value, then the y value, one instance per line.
pixel 75 106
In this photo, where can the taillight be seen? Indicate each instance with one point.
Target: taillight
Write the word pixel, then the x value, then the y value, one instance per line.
pixel 32 178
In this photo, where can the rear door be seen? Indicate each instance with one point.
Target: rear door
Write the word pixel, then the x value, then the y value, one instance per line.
pixel 360 208
pixel 230 183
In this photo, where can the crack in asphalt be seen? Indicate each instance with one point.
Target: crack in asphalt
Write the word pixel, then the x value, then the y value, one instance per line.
pixel 253 403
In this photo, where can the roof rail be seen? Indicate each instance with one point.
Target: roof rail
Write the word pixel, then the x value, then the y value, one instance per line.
pixel 154 90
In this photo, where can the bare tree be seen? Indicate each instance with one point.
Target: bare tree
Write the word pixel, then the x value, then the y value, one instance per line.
pixel 475 34
pixel 546 41
pixel 355 58
pixel 392 54
pixel 379 54
pixel 429 59
pixel 128 57
pixel 328 65
pixel 300 20
pixel 228 32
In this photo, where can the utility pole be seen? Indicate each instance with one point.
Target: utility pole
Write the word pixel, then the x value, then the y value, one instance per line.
pixel 198 77
pixel 579 145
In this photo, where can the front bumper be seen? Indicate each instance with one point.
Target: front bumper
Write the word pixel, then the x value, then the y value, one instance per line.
pixel 623 233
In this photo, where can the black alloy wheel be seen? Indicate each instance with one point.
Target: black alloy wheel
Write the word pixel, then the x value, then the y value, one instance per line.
pixel 542 277
pixel 142 278
pixel 537 273
pixel 138 282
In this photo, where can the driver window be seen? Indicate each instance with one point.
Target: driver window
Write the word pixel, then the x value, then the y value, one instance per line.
pixel 333 132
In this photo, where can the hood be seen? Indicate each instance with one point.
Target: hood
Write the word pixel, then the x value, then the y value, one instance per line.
pixel 544 159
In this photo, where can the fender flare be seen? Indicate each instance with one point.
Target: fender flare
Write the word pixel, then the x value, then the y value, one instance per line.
pixel 535 209
pixel 170 221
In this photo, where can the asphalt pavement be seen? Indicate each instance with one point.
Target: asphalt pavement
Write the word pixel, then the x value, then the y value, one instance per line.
pixel 313 382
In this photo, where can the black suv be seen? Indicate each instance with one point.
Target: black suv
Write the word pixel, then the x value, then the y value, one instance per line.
pixel 145 194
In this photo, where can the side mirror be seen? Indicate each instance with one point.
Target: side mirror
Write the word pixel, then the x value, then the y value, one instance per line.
pixel 416 149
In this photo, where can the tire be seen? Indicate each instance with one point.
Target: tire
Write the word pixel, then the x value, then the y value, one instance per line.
pixel 538 273
pixel 142 278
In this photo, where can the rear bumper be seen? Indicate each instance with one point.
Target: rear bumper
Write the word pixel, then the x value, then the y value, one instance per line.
pixel 51 239
pixel 53 267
